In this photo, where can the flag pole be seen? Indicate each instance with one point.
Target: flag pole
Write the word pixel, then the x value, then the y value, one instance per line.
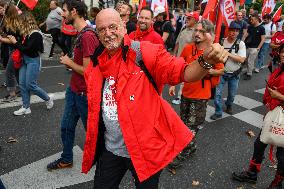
pixel 18 3
pixel 218 23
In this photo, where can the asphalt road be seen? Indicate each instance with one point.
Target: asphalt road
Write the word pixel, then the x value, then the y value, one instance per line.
pixel 223 146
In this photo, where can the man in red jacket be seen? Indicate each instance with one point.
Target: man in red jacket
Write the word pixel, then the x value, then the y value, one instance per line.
pixel 145 30
pixel 130 126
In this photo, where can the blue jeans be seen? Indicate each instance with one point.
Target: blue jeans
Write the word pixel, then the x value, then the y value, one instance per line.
pixel 29 73
pixel 261 55
pixel 233 82
pixel 76 106
pixel 1 185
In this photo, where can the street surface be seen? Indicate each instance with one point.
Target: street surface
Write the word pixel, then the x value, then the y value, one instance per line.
pixel 223 145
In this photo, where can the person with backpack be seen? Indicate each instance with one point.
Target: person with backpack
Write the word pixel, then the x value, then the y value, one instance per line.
pixel 130 126
pixel 76 105
pixel 270 30
pixel 195 95
pixel 31 63
pixel 273 97
pixel 233 67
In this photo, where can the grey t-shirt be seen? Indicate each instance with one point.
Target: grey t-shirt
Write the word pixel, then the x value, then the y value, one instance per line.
pixel 54 19
pixel 184 38
pixel 114 141
pixel 232 65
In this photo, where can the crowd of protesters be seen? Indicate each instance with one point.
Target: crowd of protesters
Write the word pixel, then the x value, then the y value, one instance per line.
pixel 121 60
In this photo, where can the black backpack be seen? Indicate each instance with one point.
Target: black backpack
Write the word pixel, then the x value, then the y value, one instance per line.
pixel 235 46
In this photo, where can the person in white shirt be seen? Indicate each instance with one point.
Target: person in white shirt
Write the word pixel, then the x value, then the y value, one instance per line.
pixel 270 29
pixel 237 56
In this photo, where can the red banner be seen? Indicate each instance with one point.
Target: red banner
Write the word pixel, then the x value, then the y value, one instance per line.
pixel 268 6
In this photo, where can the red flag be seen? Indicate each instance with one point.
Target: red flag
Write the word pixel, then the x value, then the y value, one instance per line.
pixel 268 6
pixel 141 5
pixel 242 2
pixel 218 25
pixel 228 8
pixel 210 7
pixel 277 14
pixel 30 3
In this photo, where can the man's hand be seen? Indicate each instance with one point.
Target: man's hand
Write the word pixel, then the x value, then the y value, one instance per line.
pixel 172 91
pixel 215 53
pixel 66 60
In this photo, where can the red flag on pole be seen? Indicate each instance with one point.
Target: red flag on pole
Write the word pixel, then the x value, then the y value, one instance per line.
pixel 141 5
pixel 228 9
pixel 210 7
pixel 218 25
pixel 30 3
pixel 242 2
pixel 277 14
pixel 268 6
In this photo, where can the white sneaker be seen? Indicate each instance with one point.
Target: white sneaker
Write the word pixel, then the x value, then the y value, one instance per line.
pixel 22 111
pixel 50 103
pixel 176 101
pixel 256 70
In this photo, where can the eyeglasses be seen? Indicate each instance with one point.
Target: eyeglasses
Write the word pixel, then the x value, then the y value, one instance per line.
pixel 112 28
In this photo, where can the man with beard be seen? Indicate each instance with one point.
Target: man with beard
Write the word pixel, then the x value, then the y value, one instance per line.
pixel 130 126
pixel 125 10
pixel 145 31
pixel 195 95
pixel 75 97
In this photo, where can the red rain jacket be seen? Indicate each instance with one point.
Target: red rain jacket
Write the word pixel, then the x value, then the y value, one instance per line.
pixel 153 133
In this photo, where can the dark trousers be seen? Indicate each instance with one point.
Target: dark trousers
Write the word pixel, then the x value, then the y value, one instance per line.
pixel 55 33
pixel 258 155
pixel 110 170
pixel 4 54
pixel 1 185
pixel 76 107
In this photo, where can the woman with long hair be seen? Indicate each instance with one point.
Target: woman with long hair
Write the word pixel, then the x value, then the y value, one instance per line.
pixel 273 97
pixel 10 27
pixel 29 71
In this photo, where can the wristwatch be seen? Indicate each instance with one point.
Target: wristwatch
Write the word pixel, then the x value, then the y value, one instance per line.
pixel 204 64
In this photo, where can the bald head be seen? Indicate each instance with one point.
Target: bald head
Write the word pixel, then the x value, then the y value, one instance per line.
pixel 110 28
pixel 107 14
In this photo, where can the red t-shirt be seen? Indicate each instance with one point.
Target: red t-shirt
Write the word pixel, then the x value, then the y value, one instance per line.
pixel 197 90
pixel 278 38
pixel 89 42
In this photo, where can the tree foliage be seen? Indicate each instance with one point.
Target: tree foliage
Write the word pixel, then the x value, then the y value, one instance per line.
pixel 41 10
